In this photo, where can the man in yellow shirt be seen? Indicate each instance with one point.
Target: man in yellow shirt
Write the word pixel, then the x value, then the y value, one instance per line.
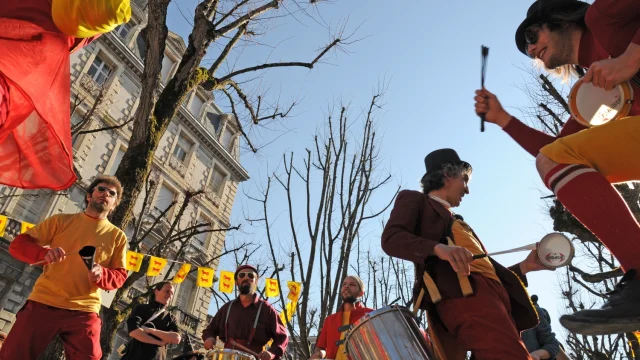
pixel 66 294
pixel 351 311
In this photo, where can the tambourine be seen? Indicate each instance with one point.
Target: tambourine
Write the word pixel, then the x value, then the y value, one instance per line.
pixel 592 106
pixel 554 250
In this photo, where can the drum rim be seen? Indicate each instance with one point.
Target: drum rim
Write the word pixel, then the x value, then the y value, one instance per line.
pixel 572 249
pixel 230 351
pixel 366 317
pixel 627 91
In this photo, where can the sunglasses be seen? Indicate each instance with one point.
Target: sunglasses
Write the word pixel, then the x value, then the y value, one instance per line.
pixel 111 193
pixel 250 275
pixel 531 34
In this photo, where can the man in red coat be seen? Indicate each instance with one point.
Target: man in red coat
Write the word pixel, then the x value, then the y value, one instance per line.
pixel 35 137
pixel 351 311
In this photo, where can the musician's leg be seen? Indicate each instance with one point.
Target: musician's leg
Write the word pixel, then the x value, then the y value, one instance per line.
pixel 29 335
pixel 579 169
pixel 482 323
pixel 80 334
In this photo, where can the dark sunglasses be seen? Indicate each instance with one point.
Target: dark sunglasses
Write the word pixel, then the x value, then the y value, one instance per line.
pixel 250 275
pixel 531 34
pixel 102 189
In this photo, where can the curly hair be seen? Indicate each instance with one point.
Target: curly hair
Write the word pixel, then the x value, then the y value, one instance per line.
pixel 105 179
pixel 435 180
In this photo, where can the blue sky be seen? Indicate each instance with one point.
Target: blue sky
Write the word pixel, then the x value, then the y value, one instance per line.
pixel 429 52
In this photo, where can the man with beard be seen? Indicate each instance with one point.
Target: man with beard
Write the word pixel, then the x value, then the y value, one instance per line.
pixel 152 327
pixel 472 305
pixel 351 311
pixel 248 320
pixel 581 164
pixel 66 294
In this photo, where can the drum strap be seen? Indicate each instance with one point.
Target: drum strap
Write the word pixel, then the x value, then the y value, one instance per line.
pixel 255 322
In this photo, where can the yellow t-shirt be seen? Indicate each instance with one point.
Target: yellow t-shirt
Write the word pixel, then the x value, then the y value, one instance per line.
pixel 66 284
pixel 463 236
pixel 340 355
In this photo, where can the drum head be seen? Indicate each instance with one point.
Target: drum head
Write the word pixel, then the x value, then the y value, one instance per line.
pixel 555 250
pixel 592 106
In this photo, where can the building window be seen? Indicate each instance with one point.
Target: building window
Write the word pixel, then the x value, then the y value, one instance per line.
pixel 123 30
pixel 201 239
pixel 99 71
pixel 165 198
pixel 216 183
pixel 196 105
pixel 226 139
pixel 182 148
pixel 213 123
pixel 31 205
pixel 116 162
pixel 184 294
pixel 167 66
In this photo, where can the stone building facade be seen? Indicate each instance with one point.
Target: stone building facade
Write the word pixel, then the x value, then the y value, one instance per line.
pixel 200 150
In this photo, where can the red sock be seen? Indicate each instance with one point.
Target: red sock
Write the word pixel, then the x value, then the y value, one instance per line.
pixel 600 208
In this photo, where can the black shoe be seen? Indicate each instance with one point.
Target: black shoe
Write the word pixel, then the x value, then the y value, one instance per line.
pixel 620 314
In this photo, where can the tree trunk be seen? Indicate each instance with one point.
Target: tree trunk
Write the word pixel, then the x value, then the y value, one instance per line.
pixel 55 350
pixel 111 319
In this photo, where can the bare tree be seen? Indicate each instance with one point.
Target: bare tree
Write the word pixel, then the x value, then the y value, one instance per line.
pixel 338 178
pixel 217 25
pixel 583 284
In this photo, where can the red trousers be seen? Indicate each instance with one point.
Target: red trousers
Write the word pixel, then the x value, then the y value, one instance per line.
pixel 37 324
pixel 482 323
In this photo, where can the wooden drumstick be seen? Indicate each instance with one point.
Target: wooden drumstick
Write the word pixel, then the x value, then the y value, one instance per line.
pixel 245 349
pixel 485 54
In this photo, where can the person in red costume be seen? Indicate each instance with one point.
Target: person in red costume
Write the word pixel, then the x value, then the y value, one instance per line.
pixel 65 299
pixel 580 164
pixel 36 38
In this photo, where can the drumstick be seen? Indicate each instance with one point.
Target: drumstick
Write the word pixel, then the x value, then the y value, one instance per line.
pixel 485 54
pixel 45 261
pixel 521 248
pixel 244 348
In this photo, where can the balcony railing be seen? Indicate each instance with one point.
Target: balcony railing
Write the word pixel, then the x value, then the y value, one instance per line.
pixel 187 321
pixel 87 83
pixel 134 293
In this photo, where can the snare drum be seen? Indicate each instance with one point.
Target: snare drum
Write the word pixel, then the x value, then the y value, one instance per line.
pixel 228 354
pixel 555 250
pixel 592 106
pixel 389 333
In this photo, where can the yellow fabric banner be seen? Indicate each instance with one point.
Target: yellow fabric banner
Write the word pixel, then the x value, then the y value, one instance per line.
pixel 294 290
pixel 3 224
pixel 182 273
pixel 227 282
pixel 205 277
pixel 156 265
pixel 134 261
pixel 25 226
pixel 272 288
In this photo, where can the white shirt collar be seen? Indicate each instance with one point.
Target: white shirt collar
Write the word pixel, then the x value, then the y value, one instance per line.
pixel 441 201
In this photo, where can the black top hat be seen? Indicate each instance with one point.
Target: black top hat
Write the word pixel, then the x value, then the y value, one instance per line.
pixel 437 159
pixel 539 11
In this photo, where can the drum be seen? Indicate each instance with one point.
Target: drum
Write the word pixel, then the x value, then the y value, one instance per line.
pixel 389 333
pixel 228 354
pixel 592 106
pixel 555 250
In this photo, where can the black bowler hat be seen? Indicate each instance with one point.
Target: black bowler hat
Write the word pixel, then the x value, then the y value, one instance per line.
pixel 539 12
pixel 437 159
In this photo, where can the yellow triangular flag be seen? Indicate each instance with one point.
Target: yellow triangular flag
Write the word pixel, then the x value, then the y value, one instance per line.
pixel 271 287
pixel 227 282
pixel 205 277
pixel 182 273
pixel 3 224
pixel 134 261
pixel 156 265
pixel 294 290
pixel 25 226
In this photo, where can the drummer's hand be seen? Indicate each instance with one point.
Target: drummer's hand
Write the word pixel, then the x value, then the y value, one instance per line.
pixel 265 355
pixel 488 104
pixel 459 257
pixel 95 274
pixel 55 255
pixel 533 263
pixel 208 344
pixel 609 73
